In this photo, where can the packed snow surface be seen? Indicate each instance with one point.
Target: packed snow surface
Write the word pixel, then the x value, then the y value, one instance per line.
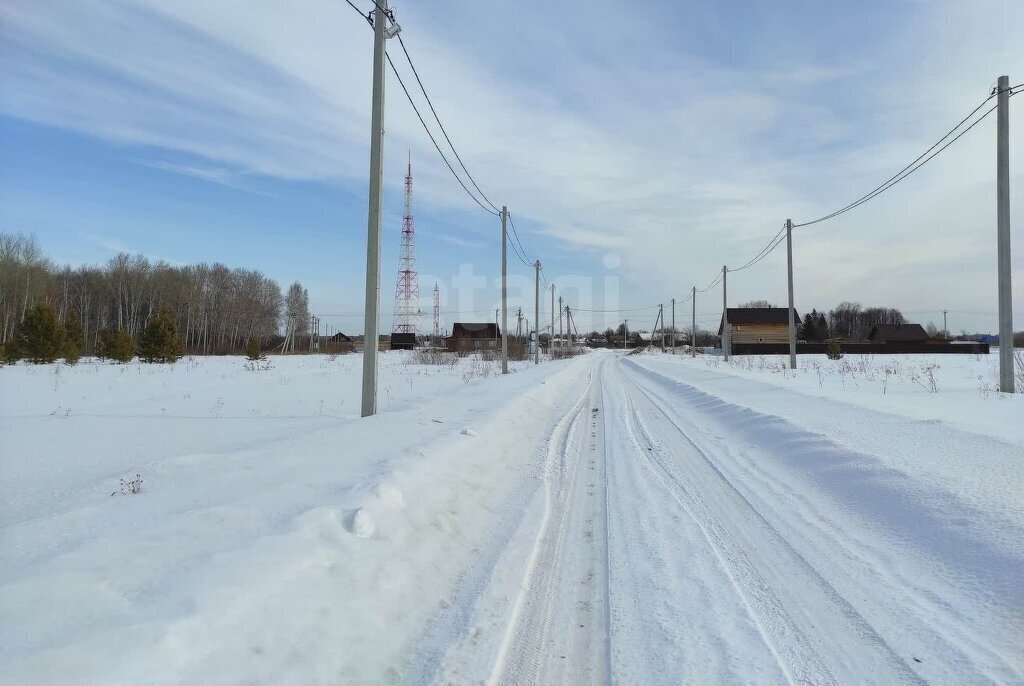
pixel 638 519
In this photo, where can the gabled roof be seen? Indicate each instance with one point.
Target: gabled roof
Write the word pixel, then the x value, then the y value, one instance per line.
pixel 746 316
pixel 475 330
pixel 904 333
pixel 340 338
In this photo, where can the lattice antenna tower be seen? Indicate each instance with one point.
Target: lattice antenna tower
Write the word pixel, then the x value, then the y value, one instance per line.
pixel 407 290
pixel 437 313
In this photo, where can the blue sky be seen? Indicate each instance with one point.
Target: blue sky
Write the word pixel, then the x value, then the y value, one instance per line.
pixel 639 147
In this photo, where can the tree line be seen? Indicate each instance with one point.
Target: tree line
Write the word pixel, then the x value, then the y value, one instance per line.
pixel 215 309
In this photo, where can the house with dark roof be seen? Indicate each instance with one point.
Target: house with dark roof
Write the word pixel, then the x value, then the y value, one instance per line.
pixel 469 336
pixel 898 333
pixel 339 343
pixel 403 341
pixel 758 324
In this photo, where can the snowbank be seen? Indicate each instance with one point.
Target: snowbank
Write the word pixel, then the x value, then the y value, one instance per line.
pixel 276 539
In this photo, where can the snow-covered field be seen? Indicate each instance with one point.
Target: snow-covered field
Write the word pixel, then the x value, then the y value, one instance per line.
pixel 646 519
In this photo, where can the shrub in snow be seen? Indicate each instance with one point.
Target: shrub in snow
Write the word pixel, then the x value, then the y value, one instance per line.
pixel 40 338
pixel 160 341
pixel 130 486
pixel 253 352
pixel 434 356
pixel 1018 359
pixel 925 377
pixel 833 351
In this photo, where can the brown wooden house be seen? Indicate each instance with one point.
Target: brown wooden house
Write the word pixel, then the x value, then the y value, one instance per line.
pixel 898 333
pixel 338 343
pixel 758 324
pixel 469 336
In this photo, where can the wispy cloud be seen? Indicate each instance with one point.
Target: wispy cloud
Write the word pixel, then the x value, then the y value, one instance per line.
pixel 456 240
pixel 681 136
pixel 221 176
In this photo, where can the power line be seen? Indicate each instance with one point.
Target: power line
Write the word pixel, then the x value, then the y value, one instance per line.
pixel 910 168
pixel 765 251
pixel 521 253
pixel 364 16
pixel 633 309
pixel 711 285
pixel 438 120
pixel 434 141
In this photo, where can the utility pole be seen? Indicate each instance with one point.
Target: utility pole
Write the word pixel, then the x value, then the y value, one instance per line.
pixel 693 330
pixel 1003 228
pixel 673 326
pixel 536 310
pixel 625 333
pixel 519 323
pixel 725 317
pixel 945 329
pixel 504 290
pixel 661 316
pixel 551 337
pixel 568 327
pixel 792 311
pixel 559 320
pixel 370 321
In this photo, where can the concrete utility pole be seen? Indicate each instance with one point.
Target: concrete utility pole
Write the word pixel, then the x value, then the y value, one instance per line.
pixel 661 316
pixel 725 317
pixel 693 330
pixel 945 329
pixel 551 337
pixel 792 311
pixel 625 333
pixel 559 320
pixel 504 290
pixel 536 310
pixel 1003 229
pixel 673 326
pixel 372 305
pixel 568 328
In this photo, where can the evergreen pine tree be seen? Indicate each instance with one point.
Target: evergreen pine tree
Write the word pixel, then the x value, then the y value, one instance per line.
pixel 74 336
pixel 9 353
pixel 822 327
pixel 805 331
pixel 40 337
pixel 833 351
pixel 160 341
pixel 252 350
pixel 119 346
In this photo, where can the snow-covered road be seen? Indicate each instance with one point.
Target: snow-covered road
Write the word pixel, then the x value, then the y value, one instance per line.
pixel 644 519
pixel 687 540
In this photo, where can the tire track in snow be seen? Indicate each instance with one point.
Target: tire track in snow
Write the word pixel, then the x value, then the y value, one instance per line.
pixel 545 643
pixel 764 572
pixel 899 551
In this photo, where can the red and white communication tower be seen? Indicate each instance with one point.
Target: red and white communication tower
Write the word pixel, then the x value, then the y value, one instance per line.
pixel 437 313
pixel 407 291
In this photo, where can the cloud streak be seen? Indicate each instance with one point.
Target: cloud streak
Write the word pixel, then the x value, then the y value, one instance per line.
pixel 608 136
